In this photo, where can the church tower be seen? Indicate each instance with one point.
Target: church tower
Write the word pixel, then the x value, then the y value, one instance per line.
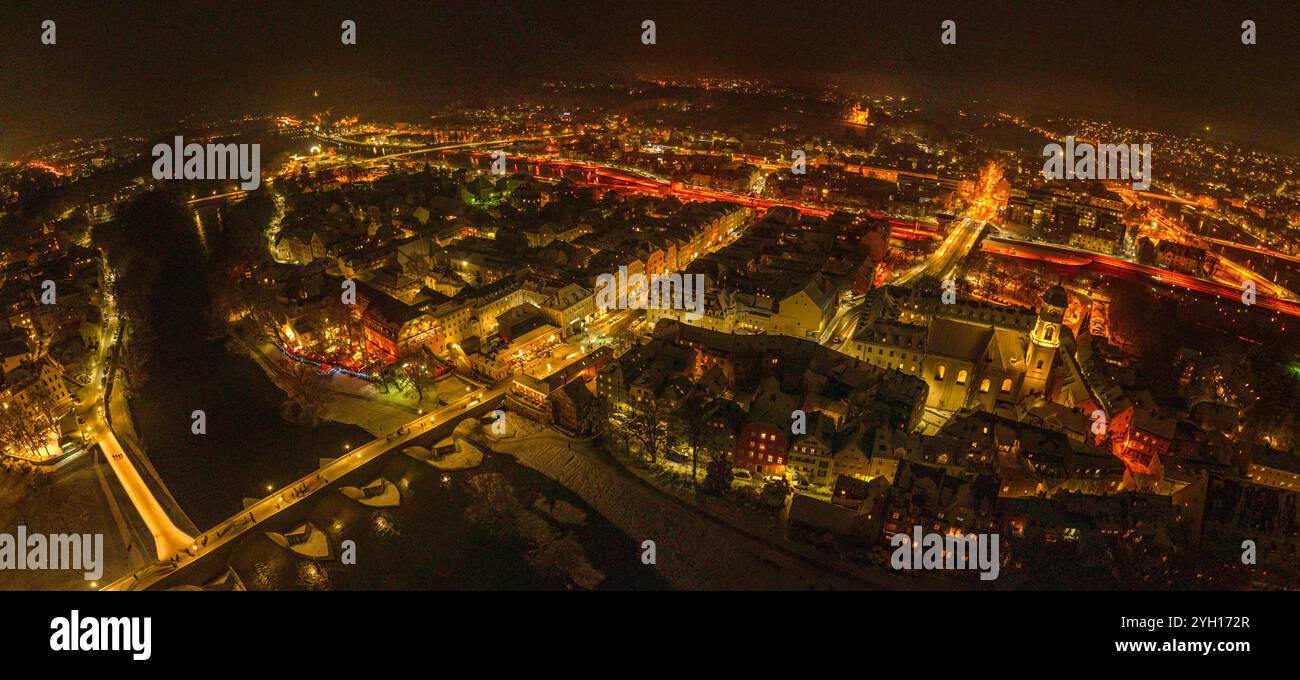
pixel 1044 340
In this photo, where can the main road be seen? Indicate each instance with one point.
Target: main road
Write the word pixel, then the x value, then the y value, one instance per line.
pixel 1240 273
pixel 939 264
pixel 1115 266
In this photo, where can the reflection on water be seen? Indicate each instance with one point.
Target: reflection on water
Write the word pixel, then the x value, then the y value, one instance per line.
pixel 428 543
pixel 312 577
pixel 384 525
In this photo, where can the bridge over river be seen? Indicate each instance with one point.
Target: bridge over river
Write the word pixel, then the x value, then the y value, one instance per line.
pixel 206 558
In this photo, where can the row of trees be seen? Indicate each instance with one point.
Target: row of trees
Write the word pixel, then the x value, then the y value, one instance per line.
pixel 648 430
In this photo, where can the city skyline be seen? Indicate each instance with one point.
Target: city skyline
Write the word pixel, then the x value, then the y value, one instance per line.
pixel 159 63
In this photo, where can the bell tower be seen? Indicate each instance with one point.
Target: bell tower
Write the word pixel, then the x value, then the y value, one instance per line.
pixel 1044 340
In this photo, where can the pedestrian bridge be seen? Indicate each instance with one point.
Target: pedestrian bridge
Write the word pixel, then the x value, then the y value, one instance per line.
pixel 206 556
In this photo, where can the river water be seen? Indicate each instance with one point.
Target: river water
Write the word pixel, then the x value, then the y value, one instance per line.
pixel 434 540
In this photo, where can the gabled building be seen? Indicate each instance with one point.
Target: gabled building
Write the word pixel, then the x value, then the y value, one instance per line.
pixel 811 456
pixel 1139 439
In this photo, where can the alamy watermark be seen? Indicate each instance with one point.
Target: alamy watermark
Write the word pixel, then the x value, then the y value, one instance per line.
pixel 24 551
pixel 1083 160
pixel 77 633
pixel 933 551
pixel 660 291
pixel 209 161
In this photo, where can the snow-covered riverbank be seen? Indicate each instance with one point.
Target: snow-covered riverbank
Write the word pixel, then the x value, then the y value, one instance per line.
pixel 692 549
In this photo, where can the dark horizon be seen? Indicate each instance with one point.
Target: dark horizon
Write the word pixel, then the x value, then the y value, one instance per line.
pixel 126 67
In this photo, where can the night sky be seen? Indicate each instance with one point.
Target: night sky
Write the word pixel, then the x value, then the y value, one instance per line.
pixel 122 65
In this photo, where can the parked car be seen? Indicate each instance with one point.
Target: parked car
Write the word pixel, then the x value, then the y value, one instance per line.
pixel 741 474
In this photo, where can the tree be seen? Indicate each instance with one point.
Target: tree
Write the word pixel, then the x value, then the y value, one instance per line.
pixel 694 414
pixel 341 321
pixel 263 307
pixel 717 476
pixel 391 378
pixel 133 355
pixel 417 375
pixel 23 430
pixel 648 425
pixel 43 407
pixel 606 430
pixel 304 394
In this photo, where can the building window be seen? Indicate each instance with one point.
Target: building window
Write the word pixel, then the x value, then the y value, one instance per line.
pixel 1006 386
pixel 961 377
pixel 940 372
pixel 984 386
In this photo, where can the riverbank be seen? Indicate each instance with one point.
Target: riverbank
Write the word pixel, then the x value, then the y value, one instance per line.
pixel 693 549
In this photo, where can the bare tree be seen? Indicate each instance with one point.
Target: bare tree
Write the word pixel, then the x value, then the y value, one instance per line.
pixel 391 378
pixel 696 428
pixel 44 407
pixel 304 394
pixel 607 431
pixel 418 372
pixel 20 429
pixel 648 426
pixel 341 321
pixel 262 306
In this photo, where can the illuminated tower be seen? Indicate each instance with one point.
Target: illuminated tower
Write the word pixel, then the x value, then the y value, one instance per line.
pixel 1044 339
pixel 859 115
